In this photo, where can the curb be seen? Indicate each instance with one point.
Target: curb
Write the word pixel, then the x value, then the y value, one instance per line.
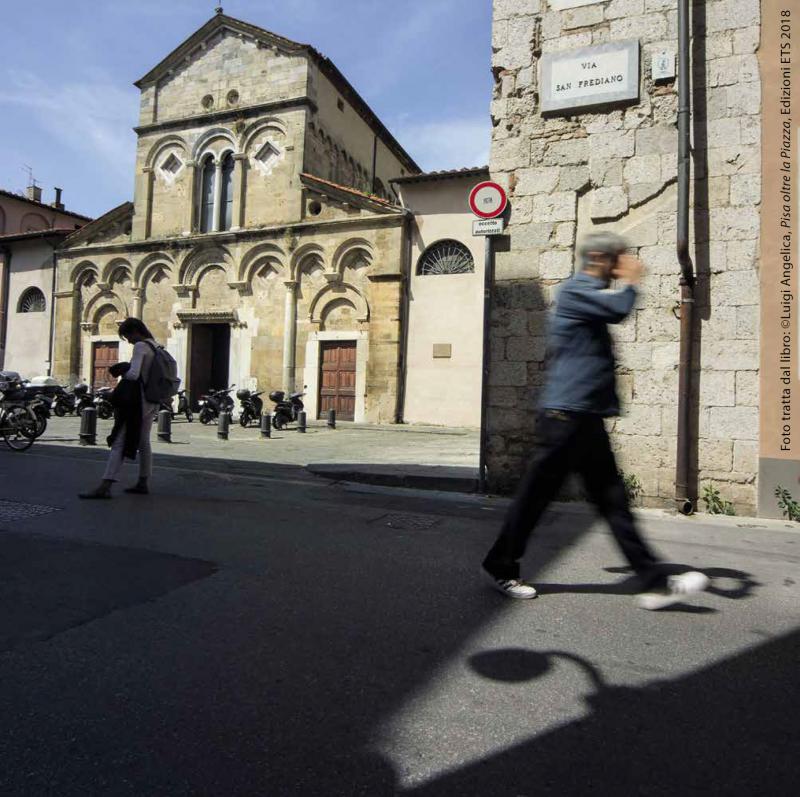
pixel 438 478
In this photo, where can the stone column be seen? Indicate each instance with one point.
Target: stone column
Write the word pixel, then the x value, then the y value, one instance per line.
pixel 191 203
pixel 239 185
pixel 289 335
pixel 217 195
pixel 136 310
pixel 148 200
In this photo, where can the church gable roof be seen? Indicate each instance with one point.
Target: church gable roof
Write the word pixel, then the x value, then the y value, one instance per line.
pixel 222 21
pixel 103 229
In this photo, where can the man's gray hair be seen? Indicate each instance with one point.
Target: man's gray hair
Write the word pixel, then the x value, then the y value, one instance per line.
pixel 603 243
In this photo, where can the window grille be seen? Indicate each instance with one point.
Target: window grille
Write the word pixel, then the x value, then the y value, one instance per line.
pixel 32 301
pixel 446 257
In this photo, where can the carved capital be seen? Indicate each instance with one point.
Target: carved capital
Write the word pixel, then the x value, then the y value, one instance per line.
pixel 291 285
pixel 89 327
pixel 243 288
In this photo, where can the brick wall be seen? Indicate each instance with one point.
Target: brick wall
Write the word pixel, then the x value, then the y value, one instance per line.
pixel 617 168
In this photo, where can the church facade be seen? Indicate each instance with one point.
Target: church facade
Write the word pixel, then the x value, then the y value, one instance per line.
pixel 266 244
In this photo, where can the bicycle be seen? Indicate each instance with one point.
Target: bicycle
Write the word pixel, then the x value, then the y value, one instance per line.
pixel 19 424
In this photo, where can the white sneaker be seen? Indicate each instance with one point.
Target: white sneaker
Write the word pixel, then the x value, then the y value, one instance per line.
pixel 511 587
pixel 678 588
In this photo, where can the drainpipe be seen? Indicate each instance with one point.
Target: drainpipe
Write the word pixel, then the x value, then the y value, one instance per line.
pixel 51 344
pixel 5 283
pixel 405 317
pixel 687 278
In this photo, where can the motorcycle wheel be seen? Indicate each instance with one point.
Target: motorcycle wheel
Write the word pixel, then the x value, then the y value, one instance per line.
pixel 24 422
pixel 280 421
pixel 104 412
pixel 206 416
pixel 59 410
pixel 244 419
pixel 189 416
pixel 41 424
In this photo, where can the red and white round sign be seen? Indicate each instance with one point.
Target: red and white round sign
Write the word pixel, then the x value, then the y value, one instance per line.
pixel 487 200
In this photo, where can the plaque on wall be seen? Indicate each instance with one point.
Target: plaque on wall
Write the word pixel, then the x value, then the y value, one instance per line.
pixel 590 76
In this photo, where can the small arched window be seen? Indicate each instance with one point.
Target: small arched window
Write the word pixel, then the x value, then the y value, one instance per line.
pixel 226 198
pixel 446 257
pixel 32 301
pixel 207 195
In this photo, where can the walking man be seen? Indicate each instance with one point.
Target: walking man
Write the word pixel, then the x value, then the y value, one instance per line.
pixel 579 393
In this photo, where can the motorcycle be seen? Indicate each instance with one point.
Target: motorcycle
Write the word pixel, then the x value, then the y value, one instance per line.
pixel 251 406
pixel 63 402
pixel 83 398
pixel 41 408
pixel 71 400
pixel 285 412
pixel 183 407
pixel 102 403
pixel 215 402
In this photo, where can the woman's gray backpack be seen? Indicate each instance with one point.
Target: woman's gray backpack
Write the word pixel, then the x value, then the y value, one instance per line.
pixel 163 382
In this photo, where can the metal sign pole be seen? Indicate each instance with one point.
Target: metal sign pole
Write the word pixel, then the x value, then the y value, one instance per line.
pixel 488 278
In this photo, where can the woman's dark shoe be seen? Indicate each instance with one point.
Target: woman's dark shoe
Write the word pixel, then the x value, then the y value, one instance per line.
pixel 138 489
pixel 95 495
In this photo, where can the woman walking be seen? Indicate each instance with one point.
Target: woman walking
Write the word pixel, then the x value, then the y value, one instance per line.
pixel 133 414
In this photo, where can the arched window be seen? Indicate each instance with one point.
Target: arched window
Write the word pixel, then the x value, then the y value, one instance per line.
pixel 446 257
pixel 226 198
pixel 207 195
pixel 32 301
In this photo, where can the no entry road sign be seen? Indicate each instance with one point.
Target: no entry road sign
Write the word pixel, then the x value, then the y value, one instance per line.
pixel 487 200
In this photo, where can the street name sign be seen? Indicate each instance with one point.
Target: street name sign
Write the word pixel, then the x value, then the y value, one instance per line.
pixel 488 200
pixel 487 227
pixel 590 76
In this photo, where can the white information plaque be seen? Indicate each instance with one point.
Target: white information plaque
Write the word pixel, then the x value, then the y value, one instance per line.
pixel 590 76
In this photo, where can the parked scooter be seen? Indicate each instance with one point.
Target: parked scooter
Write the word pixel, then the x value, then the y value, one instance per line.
pixel 63 402
pixel 83 398
pixel 102 403
pixel 72 400
pixel 285 412
pixel 251 406
pixel 183 407
pixel 41 407
pixel 214 403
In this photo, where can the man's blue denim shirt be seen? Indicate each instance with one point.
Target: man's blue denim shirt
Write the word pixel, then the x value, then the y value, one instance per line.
pixel 580 355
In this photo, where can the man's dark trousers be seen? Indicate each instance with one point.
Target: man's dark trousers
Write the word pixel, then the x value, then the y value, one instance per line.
pixel 571 442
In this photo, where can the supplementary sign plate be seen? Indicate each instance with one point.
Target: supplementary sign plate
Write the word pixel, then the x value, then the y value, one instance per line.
pixel 590 76
pixel 487 227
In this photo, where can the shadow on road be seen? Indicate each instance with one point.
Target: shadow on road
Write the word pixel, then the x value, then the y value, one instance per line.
pixel 274 679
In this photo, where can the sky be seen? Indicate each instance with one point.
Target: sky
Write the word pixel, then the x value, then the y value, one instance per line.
pixel 68 104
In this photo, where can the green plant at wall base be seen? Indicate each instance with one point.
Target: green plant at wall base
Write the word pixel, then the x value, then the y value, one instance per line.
pixel 715 503
pixel 787 504
pixel 633 487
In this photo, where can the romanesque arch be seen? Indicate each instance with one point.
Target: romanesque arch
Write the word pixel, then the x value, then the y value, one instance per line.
pixel 310 254
pixel 254 131
pixel 99 305
pixel 336 295
pixel 85 273
pixel 116 270
pixel 152 263
pixel 216 140
pixel 201 258
pixel 353 253
pixel 164 143
pixel 259 257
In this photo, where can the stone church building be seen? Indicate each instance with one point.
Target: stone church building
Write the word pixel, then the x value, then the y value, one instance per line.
pixel 267 245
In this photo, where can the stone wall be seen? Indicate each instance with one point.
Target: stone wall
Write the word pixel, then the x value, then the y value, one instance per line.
pixel 616 167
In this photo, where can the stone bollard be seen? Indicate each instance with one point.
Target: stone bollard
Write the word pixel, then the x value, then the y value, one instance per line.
pixel 165 426
pixel 88 433
pixel 224 425
pixel 266 425
pixel 301 421
pixel 331 418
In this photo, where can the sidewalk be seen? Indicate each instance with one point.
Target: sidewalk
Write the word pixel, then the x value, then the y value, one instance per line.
pixel 420 457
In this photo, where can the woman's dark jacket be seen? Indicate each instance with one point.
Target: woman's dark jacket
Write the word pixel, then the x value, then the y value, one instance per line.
pixel 127 402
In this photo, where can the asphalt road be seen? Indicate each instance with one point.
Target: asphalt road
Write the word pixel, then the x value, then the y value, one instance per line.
pixel 256 631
